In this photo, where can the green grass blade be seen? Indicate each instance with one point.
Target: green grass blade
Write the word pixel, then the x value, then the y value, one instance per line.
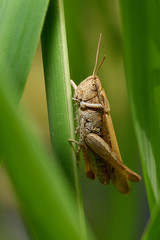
pixel 153 230
pixel 141 31
pixel 44 193
pixel 57 80
pixel 59 97
pixel 21 24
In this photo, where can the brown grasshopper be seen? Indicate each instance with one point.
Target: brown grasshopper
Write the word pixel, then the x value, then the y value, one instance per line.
pixel 97 137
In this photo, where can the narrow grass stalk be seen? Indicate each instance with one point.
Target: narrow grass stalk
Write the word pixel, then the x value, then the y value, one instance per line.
pixel 58 90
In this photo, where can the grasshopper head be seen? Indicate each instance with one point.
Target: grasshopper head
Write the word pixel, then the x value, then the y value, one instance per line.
pixel 87 89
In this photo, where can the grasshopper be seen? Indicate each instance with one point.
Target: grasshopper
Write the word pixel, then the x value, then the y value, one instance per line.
pixel 97 137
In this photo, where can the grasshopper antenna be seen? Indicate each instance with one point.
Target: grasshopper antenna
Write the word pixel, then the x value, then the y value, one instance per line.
pixel 99 42
pixel 96 71
pixel 99 66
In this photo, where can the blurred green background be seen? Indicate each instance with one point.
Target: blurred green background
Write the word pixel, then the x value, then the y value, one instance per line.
pixel 110 214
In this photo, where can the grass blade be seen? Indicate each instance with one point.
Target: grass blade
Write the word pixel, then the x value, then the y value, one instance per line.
pixel 142 48
pixel 44 194
pixel 153 230
pixel 21 24
pixel 58 90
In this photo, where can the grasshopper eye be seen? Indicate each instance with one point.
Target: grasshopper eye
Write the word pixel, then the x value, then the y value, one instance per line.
pixel 94 87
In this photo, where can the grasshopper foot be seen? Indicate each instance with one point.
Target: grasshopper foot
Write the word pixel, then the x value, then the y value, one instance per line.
pixel 74 141
pixel 78 150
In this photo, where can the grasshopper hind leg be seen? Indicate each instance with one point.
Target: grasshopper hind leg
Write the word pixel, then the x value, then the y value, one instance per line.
pixel 121 173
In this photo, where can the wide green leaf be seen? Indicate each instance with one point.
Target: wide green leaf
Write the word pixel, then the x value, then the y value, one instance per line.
pixel 153 230
pixel 142 60
pixel 141 31
pixel 45 197
pixel 21 24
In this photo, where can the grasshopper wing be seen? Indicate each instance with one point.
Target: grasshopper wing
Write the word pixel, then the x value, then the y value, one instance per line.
pixel 120 181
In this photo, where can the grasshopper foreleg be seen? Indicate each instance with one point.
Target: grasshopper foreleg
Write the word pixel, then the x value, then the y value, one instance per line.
pixel 90 105
pixel 73 85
